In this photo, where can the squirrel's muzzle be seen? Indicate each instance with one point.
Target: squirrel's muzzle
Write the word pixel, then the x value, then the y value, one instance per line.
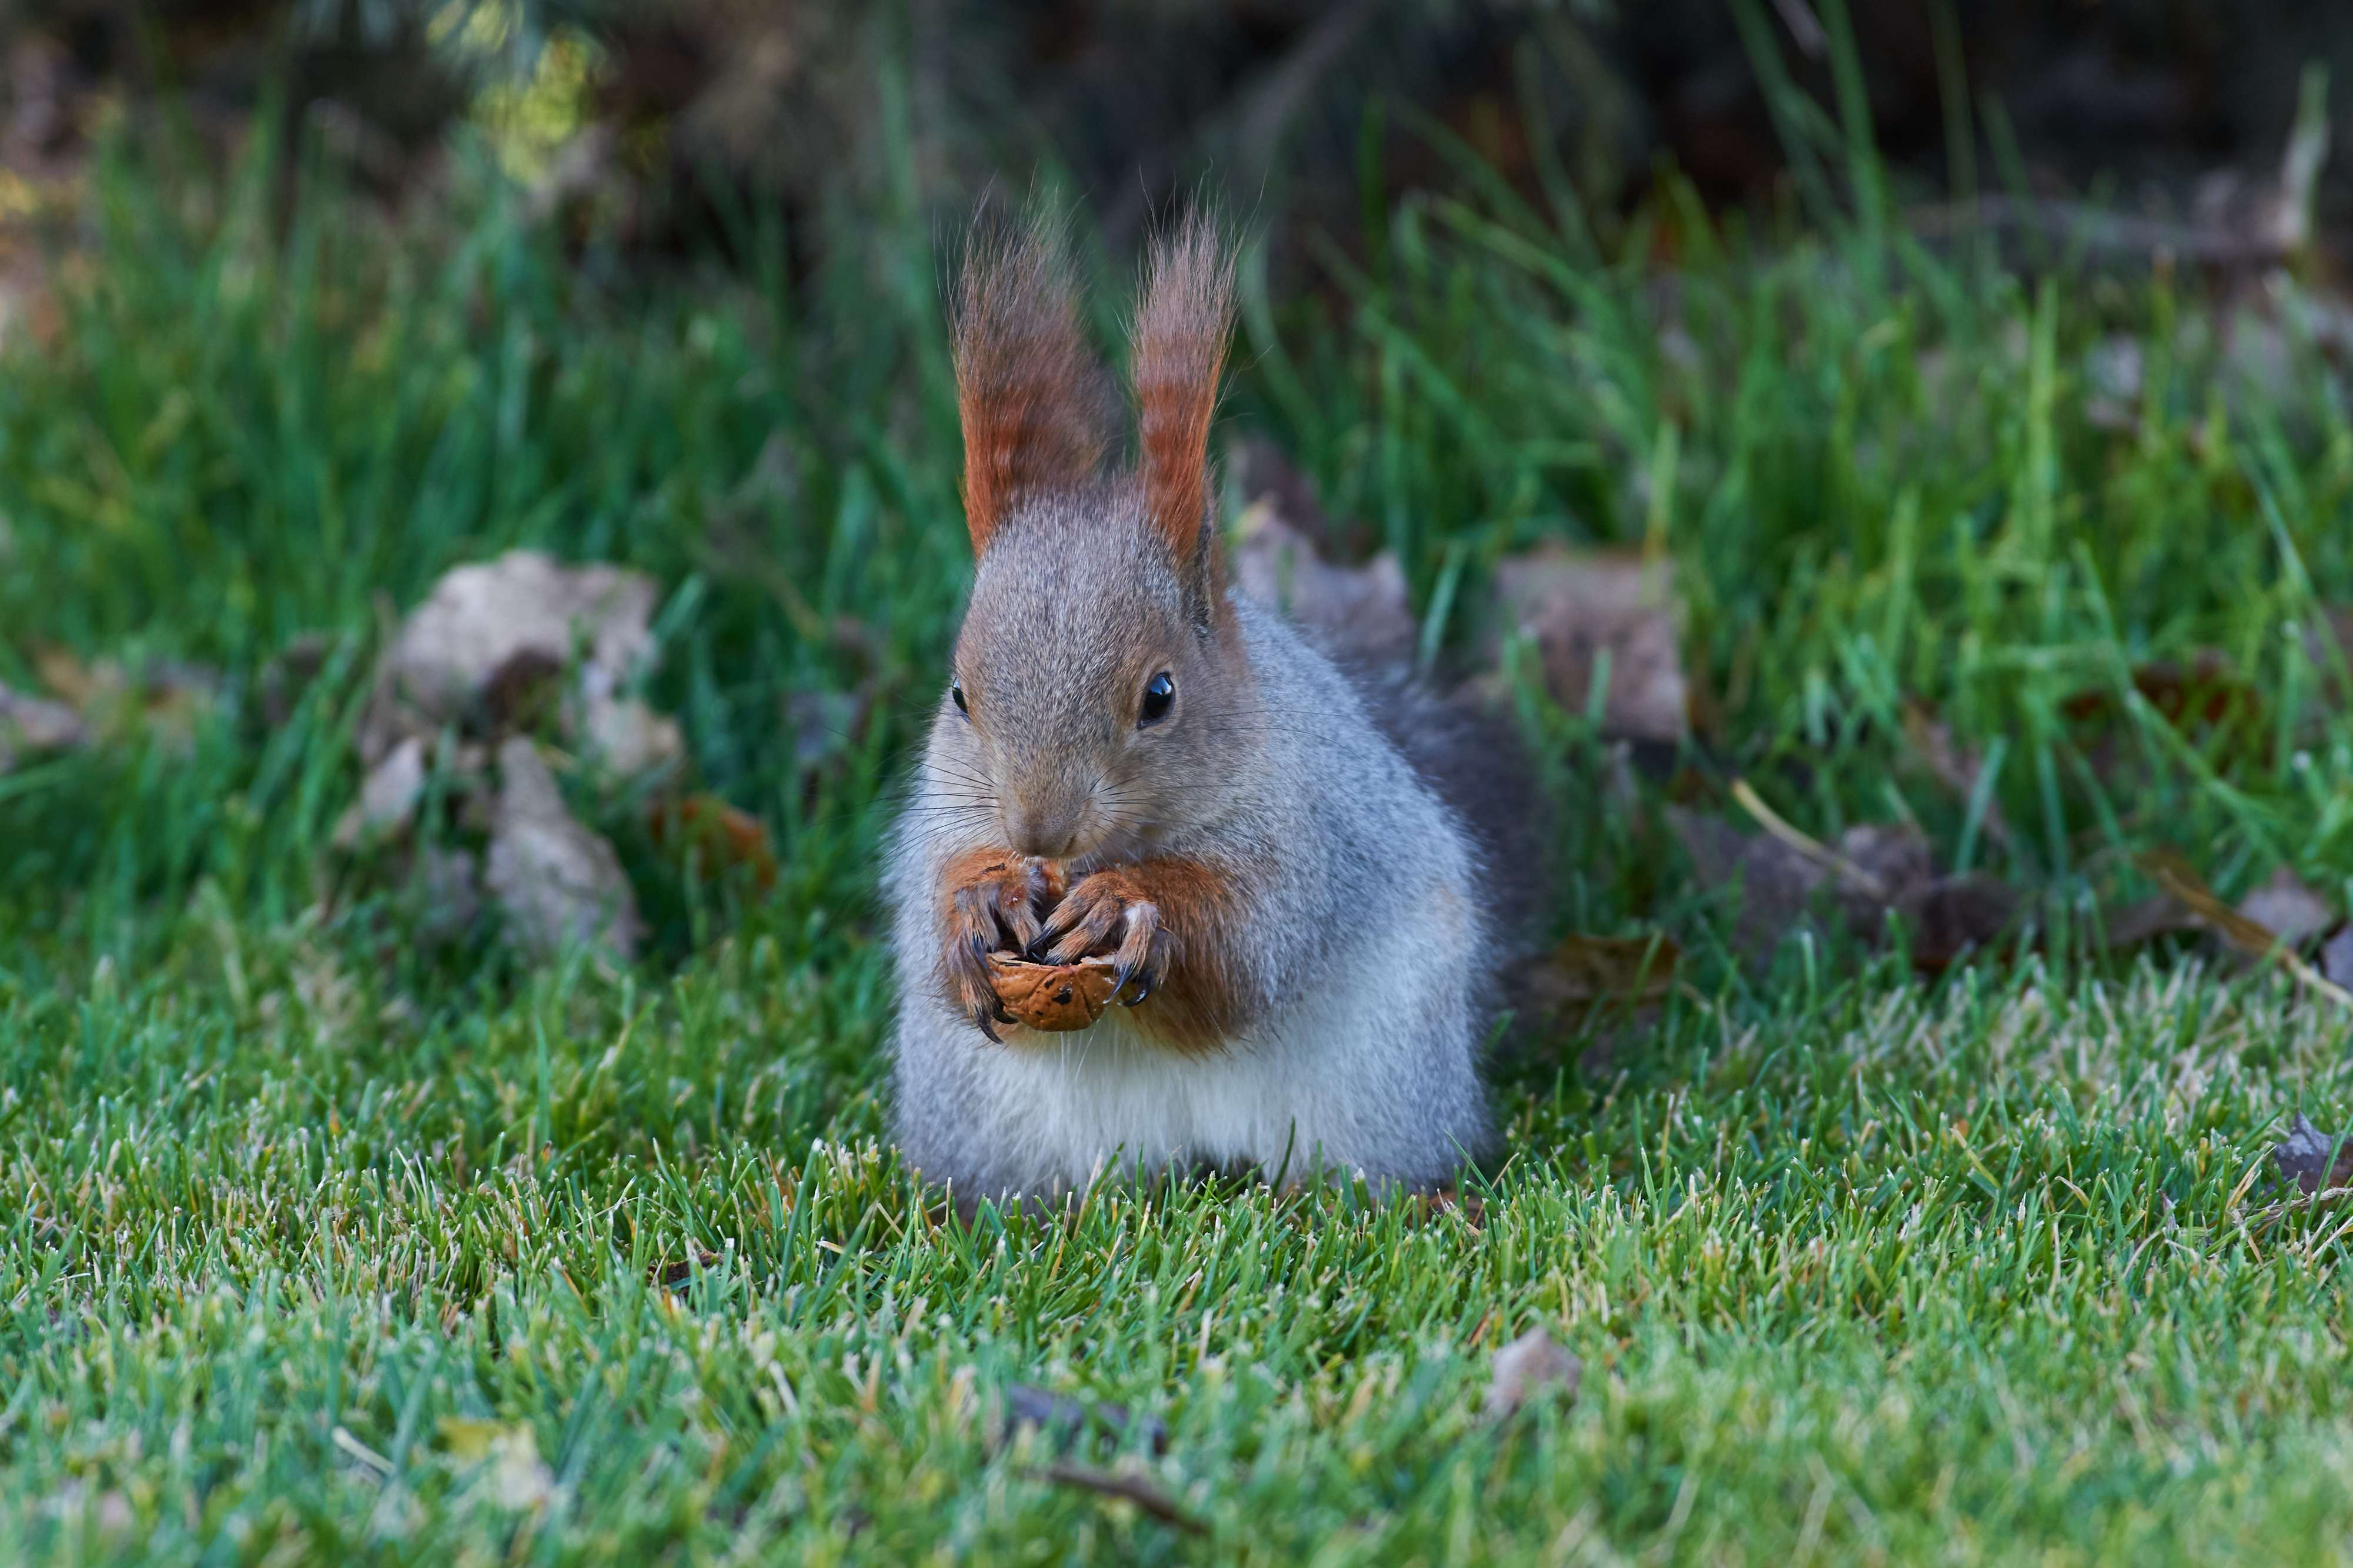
pixel 1048 830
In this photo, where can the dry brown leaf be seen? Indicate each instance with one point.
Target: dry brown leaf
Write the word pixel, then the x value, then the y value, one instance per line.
pixel 2175 875
pixel 485 646
pixel 1062 1420
pixel 630 740
pixel 558 883
pixel 1958 767
pixel 2328 643
pixel 388 796
pixel 2160 914
pixel 2203 694
pixel 2336 957
pixel 1365 609
pixel 1527 1367
pixel 1264 471
pixel 1581 970
pixel 288 674
pixel 725 838
pixel 676 1272
pixel 36 724
pixel 2288 908
pixel 2181 881
pixel 824 722
pixel 1787 879
pixel 163 699
pixel 446 886
pixel 1579 606
pixel 2311 1159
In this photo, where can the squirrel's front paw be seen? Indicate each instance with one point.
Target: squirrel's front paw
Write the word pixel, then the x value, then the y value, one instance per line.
pixel 1084 921
pixel 992 902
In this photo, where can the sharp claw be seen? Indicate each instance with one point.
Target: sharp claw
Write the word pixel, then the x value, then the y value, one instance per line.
pixel 980 1021
pixel 1143 990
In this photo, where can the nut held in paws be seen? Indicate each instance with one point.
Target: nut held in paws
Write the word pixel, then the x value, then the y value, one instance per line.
pixel 1052 997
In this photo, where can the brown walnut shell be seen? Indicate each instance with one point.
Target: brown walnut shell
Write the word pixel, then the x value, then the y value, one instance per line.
pixel 1053 997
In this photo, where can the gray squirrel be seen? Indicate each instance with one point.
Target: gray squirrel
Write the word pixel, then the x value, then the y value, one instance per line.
pixel 1298 862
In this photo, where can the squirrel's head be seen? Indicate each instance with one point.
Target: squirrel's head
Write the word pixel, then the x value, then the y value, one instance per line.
pixel 1098 674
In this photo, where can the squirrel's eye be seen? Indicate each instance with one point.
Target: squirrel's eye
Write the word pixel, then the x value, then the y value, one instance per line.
pixel 1159 695
pixel 956 690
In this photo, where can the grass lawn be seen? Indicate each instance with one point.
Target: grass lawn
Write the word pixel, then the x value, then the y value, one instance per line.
pixel 321 1242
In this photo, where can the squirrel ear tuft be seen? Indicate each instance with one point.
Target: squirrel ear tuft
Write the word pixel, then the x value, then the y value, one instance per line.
pixel 1180 333
pixel 1025 383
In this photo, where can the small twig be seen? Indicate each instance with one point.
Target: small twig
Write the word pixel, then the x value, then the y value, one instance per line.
pixel 2270 1214
pixel 1813 849
pixel 1136 1489
pixel 2250 937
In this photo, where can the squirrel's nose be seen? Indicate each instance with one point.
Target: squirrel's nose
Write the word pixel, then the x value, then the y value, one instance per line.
pixel 1047 831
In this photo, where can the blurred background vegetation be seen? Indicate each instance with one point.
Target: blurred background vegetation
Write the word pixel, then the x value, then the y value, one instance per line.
pixel 645 115
pixel 1979 366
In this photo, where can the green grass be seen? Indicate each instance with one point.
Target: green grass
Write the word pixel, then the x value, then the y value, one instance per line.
pixel 324 1245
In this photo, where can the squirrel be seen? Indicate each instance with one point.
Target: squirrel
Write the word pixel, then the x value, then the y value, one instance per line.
pixel 1284 848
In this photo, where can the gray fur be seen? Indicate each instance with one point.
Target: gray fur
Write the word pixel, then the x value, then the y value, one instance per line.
pixel 1371 941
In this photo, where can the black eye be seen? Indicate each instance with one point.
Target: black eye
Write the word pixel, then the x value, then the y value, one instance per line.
pixel 1159 695
pixel 956 690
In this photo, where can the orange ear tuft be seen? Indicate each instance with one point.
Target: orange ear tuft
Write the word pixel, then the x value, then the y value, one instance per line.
pixel 1180 348
pixel 1025 380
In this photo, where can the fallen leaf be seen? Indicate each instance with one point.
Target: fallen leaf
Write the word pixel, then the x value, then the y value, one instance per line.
pixel 1955 916
pixel 1527 1367
pixel 1064 1420
pixel 629 740
pixel 557 883
pixel 466 1438
pixel 1583 971
pixel 824 722
pixel 2313 1159
pixel 672 1275
pixel 1785 877
pixel 2113 374
pixel 2205 692
pixel 2288 908
pixel 1958 767
pixel 108 1512
pixel 1363 608
pixel 36 724
pixel 388 796
pixel 486 642
pixel 2159 914
pixel 1776 884
pixel 447 890
pixel 1470 1208
pixel 1128 1487
pixel 1262 471
pixel 2181 882
pixel 166 698
pixel 2328 643
pixel 1580 606
pixel 518 1479
pixel 2175 875
pixel 2336 957
pixel 512 1475
pixel 286 677
pixel 723 836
